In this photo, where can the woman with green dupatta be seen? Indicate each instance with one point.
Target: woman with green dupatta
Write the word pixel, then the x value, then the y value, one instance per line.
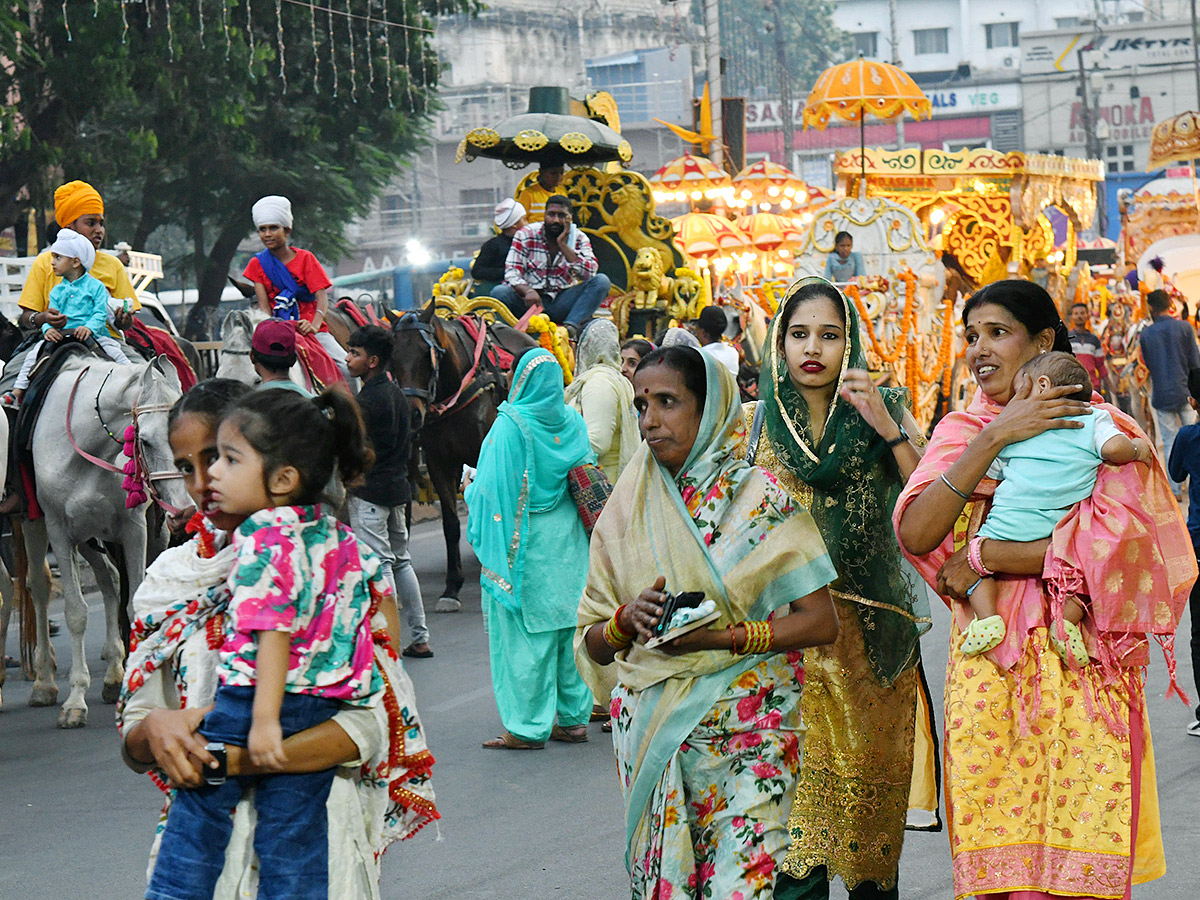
pixel 844 448
pixel 707 728
pixel 533 551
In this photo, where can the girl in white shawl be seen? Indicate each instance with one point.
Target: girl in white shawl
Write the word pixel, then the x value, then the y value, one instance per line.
pixel 383 790
pixel 604 397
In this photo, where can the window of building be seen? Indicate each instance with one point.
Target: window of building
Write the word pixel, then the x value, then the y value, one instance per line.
pixel 866 43
pixel 1118 157
pixel 1133 17
pixel 931 40
pixel 1002 34
pixel 395 210
pixel 977 144
pixel 488 197
pixel 1067 22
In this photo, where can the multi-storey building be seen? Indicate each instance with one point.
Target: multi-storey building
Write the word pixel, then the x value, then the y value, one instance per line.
pixel 641 52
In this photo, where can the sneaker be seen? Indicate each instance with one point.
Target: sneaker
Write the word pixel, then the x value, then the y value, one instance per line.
pixel 1194 729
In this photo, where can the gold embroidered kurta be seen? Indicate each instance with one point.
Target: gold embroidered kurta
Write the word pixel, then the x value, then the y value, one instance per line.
pixel 853 793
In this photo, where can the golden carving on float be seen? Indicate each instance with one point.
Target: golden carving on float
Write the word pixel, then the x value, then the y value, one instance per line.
pixel 625 151
pixel 532 140
pixel 575 142
pixel 971 162
pixel 483 137
pixel 461 152
pixel 620 205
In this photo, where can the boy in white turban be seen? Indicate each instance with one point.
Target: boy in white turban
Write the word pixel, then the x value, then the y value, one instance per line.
pixel 79 297
pixel 289 282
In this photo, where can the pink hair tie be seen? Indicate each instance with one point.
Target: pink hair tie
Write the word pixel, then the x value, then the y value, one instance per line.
pixel 975 558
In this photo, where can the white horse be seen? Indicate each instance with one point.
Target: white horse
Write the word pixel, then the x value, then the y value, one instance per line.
pixel 237 330
pixel 78 453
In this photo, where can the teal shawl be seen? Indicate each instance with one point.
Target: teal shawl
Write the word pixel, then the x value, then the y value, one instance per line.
pixel 535 441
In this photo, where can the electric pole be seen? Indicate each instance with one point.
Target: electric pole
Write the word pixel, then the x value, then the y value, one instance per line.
pixel 712 52
pixel 785 84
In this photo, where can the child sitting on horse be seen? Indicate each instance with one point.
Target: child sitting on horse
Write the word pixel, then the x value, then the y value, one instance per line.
pixel 81 298
pixel 297 642
pixel 289 282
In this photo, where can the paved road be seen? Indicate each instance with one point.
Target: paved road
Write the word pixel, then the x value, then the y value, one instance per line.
pixel 75 824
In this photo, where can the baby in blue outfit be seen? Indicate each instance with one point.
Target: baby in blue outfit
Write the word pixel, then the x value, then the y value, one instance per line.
pixel 1041 478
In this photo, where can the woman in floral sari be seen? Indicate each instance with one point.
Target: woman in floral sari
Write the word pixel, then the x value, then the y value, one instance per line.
pixel 1050 786
pixel 383 791
pixel 707 728
pixel 843 448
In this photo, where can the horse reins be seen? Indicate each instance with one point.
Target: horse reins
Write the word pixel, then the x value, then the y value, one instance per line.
pixel 142 471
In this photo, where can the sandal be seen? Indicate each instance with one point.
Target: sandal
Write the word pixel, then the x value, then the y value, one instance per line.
pixel 1072 650
pixel 509 741
pixel 607 727
pixel 576 734
pixel 599 713
pixel 982 635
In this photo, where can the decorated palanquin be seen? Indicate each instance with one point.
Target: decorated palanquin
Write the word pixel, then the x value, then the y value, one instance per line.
pixel 989 208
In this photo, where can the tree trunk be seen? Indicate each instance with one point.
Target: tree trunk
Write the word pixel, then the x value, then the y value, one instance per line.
pixel 212 281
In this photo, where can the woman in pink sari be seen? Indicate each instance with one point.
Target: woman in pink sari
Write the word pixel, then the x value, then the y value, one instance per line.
pixel 1050 784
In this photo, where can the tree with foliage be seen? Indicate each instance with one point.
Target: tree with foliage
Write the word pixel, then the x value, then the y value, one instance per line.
pixel 184 114
pixel 811 40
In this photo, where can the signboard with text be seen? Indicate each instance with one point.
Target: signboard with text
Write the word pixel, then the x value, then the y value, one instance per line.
pixel 767 115
pixel 1148 44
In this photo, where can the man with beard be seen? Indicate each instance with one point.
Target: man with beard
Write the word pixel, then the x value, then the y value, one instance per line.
pixel 1086 346
pixel 551 264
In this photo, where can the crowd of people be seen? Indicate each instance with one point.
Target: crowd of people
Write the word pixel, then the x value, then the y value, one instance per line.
pixel 768 741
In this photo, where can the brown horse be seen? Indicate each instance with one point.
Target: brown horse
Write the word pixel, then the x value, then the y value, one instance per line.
pixel 432 356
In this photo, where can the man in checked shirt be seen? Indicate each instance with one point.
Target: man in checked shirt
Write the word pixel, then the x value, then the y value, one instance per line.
pixel 551 263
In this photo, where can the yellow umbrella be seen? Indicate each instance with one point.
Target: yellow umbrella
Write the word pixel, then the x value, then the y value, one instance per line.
pixel 769 182
pixel 691 177
pixel 703 235
pixel 853 90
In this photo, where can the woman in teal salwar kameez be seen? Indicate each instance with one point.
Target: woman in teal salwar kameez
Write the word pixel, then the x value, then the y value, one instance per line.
pixel 533 552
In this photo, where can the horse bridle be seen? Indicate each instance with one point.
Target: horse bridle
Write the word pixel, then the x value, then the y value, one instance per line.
pixel 142 470
pixel 412 322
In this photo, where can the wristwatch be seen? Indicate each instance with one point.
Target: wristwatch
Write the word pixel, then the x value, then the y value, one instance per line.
pixel 898 440
pixel 219 774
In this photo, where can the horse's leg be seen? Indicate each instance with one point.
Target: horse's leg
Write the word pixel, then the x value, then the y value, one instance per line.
pixel 74 710
pixel 446 478
pixel 45 690
pixel 7 598
pixel 114 647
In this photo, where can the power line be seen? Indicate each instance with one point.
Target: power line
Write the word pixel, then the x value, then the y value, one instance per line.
pixel 329 11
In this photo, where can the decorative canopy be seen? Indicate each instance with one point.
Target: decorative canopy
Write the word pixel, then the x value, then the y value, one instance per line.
pixel 704 234
pixel 861 87
pixel 768 231
pixel 771 183
pixel 546 139
pixel 1176 139
pixel 691 178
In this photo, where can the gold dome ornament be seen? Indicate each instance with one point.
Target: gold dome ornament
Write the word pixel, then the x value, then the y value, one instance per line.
pixel 575 142
pixel 530 140
pixel 483 137
pixel 625 151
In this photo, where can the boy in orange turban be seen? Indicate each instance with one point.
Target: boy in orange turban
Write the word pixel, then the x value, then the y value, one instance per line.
pixel 77 205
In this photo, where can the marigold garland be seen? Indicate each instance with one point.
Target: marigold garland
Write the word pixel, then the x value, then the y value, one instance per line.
pixel 550 339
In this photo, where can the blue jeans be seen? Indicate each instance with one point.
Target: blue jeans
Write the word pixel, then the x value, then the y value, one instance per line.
pixel 574 306
pixel 291 837
pixel 1169 423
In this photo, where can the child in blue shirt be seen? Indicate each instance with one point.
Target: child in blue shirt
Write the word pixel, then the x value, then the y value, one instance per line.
pixel 1183 462
pixel 80 297
pixel 1041 478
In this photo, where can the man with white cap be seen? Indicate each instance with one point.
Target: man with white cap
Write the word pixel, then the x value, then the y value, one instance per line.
pixel 488 268
pixel 80 298
pixel 289 282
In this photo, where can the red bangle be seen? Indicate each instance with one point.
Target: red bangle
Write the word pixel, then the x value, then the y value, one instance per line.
pixel 975 558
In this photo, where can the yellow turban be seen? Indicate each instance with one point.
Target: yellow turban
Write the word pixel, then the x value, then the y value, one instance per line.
pixel 75 199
